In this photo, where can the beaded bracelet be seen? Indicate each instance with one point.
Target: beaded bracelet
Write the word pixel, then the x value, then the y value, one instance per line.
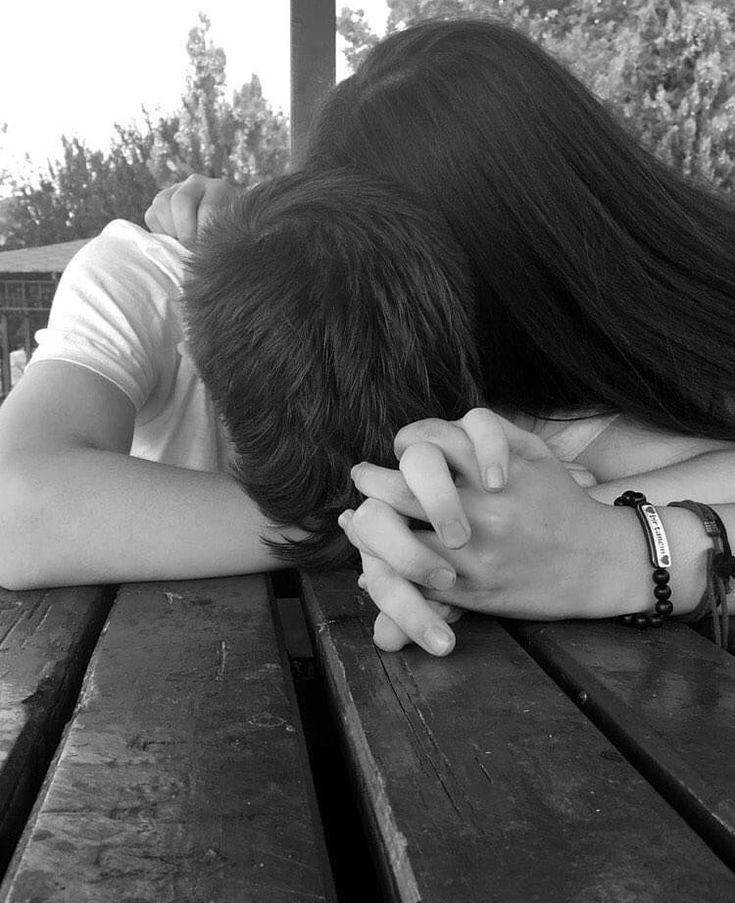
pixel 720 568
pixel 658 549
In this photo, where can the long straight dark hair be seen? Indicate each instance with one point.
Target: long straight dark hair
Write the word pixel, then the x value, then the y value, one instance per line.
pixel 604 280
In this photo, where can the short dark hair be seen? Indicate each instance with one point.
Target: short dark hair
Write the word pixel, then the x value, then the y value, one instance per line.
pixel 324 312
pixel 604 279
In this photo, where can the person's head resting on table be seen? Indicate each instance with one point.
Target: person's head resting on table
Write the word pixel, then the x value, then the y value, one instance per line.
pixel 324 312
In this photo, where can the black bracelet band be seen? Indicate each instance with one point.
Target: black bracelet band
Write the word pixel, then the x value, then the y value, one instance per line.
pixel 720 568
pixel 658 550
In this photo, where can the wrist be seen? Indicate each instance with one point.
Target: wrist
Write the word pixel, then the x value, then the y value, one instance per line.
pixel 689 545
pixel 628 569
pixel 628 577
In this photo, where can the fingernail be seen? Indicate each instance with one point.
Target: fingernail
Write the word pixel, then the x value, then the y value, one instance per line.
pixel 439 640
pixel 441 578
pixel 344 518
pixel 453 534
pixel 493 478
pixel 356 470
pixel 362 582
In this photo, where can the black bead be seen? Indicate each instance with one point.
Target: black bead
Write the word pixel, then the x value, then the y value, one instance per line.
pixel 630 497
pixel 627 619
pixel 664 608
pixel 662 593
pixel 640 620
pixel 655 621
pixel 661 576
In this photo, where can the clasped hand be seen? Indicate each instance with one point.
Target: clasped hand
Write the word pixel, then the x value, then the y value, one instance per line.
pixel 513 533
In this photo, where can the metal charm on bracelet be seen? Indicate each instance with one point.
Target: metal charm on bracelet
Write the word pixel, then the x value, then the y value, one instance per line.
pixel 660 557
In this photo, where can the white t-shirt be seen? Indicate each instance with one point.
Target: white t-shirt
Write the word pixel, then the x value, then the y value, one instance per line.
pixel 116 312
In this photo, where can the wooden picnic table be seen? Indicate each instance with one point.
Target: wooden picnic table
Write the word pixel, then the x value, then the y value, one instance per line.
pixel 191 741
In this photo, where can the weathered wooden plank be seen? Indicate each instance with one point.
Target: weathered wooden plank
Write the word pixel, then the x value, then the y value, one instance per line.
pixel 46 640
pixel 666 698
pixel 181 776
pixel 313 45
pixel 483 782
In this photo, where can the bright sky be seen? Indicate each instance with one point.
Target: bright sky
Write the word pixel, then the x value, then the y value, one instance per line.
pixel 76 67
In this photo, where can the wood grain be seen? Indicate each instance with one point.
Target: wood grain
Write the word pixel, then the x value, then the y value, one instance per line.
pixel 482 781
pixel 666 698
pixel 46 640
pixel 181 776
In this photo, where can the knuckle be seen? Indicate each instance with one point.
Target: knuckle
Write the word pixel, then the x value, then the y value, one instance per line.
pixel 430 429
pixel 417 451
pixel 416 432
pixel 479 417
pixel 365 514
pixel 161 200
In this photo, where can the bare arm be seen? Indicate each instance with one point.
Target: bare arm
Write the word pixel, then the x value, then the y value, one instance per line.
pixel 666 467
pixel 78 509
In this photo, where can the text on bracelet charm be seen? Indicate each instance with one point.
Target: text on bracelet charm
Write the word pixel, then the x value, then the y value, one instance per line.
pixel 659 554
pixel 658 545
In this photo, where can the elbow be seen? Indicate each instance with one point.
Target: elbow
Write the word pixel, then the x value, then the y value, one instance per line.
pixel 21 545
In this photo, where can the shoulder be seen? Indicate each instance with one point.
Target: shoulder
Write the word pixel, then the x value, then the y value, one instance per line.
pixel 124 272
pixel 123 246
pixel 115 310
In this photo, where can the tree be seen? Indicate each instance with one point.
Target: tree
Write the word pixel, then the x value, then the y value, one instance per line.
pixel 244 140
pixel 357 34
pixel 78 195
pixel 75 197
pixel 665 67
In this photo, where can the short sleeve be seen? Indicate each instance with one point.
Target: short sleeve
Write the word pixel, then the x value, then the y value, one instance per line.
pixel 568 439
pixel 115 309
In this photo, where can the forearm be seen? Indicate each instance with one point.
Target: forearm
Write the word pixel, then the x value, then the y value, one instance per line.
pixel 707 478
pixel 90 516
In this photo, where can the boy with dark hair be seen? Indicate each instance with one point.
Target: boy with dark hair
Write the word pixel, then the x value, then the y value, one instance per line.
pixel 324 312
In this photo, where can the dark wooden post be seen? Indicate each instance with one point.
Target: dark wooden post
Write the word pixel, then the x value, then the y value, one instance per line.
pixel 313 44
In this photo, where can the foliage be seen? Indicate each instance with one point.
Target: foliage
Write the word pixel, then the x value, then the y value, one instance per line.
pixel 77 195
pixel 665 67
pixel 243 140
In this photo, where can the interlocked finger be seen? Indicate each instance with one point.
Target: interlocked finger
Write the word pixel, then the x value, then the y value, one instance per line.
pixel 389 637
pixel 402 603
pixel 494 438
pixel 427 475
pixel 486 432
pixel 158 216
pixel 185 209
pixel 453 441
pixel 376 529
pixel 388 486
